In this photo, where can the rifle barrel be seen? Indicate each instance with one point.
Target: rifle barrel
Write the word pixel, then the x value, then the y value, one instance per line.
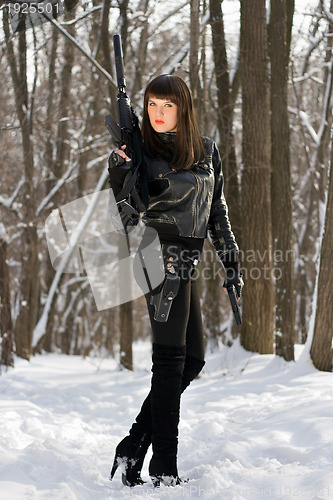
pixel 118 55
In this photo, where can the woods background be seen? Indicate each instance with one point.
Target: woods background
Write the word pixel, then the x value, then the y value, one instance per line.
pixel 261 77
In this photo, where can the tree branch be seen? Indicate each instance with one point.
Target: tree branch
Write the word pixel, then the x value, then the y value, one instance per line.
pixel 8 202
pixel 82 50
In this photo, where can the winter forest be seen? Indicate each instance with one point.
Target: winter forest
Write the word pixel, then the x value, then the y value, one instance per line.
pixel 261 78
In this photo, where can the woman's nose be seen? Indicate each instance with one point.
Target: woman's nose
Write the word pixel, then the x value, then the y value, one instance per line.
pixel 159 112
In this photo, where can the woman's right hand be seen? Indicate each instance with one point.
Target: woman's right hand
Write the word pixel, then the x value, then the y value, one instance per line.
pixel 118 157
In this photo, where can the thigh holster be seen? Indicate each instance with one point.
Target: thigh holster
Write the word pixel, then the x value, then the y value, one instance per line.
pixel 162 300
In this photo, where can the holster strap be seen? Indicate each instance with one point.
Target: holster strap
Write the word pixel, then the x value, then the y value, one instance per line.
pixel 162 301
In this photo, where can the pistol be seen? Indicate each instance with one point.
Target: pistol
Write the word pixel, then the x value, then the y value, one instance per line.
pixel 234 303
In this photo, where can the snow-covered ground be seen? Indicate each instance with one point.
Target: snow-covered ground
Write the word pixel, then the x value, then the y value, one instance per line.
pixel 252 427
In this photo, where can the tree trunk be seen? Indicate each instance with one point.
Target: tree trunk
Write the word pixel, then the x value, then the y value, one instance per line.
pixel 124 24
pixel 225 117
pixel 6 335
pixel 141 53
pixel 211 275
pixel 282 219
pixel 107 59
pixel 316 188
pixel 62 146
pixel 28 295
pixel 194 52
pixel 258 301
pixel 126 315
pixel 321 349
pixel 51 174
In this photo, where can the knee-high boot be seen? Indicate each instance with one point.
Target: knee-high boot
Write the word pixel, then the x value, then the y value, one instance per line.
pixel 168 367
pixel 131 451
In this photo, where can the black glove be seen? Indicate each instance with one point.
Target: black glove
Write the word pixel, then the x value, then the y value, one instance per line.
pixel 115 160
pixel 233 276
pixel 118 169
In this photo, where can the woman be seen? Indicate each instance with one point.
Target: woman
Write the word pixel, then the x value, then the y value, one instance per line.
pixel 185 201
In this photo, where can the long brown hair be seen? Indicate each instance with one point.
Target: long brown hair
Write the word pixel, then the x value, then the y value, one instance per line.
pixel 188 146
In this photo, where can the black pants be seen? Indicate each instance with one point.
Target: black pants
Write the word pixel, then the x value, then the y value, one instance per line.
pixel 184 325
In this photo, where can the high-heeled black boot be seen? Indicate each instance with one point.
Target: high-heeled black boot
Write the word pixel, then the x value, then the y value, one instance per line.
pixel 130 457
pixel 168 366
pixel 132 450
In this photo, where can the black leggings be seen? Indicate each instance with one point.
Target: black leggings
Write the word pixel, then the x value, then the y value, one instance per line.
pixel 184 325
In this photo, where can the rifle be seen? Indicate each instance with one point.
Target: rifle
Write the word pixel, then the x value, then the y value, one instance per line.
pixel 234 303
pixel 128 133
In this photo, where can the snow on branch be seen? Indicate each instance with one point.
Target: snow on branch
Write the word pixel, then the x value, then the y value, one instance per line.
pixel 3 232
pixel 327 14
pixel 55 189
pixel 8 202
pixel 309 75
pixel 327 102
pixel 168 16
pixel 305 120
pixel 82 16
pixel 176 61
pixel 180 56
pixel 82 49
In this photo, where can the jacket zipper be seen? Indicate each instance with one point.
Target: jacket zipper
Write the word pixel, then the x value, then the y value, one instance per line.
pixel 195 203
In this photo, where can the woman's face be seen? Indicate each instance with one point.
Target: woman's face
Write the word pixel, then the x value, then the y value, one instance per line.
pixel 162 115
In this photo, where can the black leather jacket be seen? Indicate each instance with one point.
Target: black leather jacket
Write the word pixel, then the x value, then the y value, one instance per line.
pixel 189 203
pixel 191 200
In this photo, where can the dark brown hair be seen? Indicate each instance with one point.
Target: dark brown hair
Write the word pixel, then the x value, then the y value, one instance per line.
pixel 188 147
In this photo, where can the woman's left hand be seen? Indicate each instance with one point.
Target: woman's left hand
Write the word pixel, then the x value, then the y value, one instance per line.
pixel 234 277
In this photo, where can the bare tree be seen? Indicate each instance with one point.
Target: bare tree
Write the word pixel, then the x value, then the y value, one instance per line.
pixel 225 116
pixel 140 55
pixel 282 218
pixel 6 333
pixel 194 54
pixel 258 304
pixel 315 128
pixel 321 348
pixel 28 294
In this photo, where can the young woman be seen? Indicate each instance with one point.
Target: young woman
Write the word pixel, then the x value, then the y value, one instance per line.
pixel 185 202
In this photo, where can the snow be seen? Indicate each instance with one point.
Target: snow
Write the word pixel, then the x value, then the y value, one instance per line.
pixel 252 427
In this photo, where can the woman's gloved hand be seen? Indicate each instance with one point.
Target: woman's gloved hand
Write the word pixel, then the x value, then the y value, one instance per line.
pixel 233 276
pixel 118 158
pixel 119 167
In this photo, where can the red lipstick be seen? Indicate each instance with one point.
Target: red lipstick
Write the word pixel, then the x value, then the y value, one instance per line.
pixel 159 122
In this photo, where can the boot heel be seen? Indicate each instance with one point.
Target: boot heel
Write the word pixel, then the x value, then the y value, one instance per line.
pixel 114 466
pixel 130 463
